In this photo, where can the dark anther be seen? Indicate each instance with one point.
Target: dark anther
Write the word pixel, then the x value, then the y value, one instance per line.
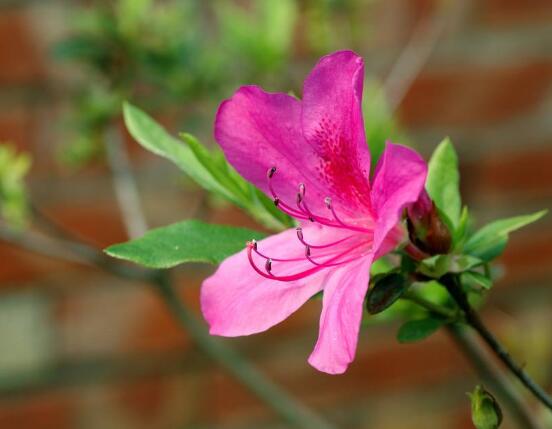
pixel 268 265
pixel 254 244
pixel 271 172
pixel 299 198
pixel 328 202
pixel 302 189
pixel 311 218
pixel 307 251
pixel 299 232
pixel 276 201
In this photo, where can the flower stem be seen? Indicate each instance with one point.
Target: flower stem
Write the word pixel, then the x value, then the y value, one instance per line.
pixel 436 309
pixel 491 375
pixel 451 282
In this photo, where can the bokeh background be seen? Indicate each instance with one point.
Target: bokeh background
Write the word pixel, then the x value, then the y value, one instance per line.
pixel 82 349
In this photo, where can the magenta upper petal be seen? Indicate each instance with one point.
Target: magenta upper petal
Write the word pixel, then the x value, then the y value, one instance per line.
pixel 344 292
pixel 333 125
pixel 236 300
pixel 258 130
pixel 399 180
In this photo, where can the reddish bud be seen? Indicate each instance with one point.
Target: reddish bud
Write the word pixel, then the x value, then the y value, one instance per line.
pixel 426 229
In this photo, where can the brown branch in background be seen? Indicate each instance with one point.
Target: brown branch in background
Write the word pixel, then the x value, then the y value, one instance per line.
pixel 416 53
pixel 124 184
pixel 493 377
pixel 452 283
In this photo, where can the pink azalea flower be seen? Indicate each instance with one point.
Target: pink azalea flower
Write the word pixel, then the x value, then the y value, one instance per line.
pixel 311 157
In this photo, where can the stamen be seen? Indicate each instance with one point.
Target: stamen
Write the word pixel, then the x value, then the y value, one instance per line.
pixel 329 205
pixel 333 261
pixel 303 212
pixel 319 246
pixel 278 202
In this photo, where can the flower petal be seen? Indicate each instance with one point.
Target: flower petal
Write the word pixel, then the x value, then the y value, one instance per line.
pixel 344 292
pixel 400 177
pixel 258 130
pixel 236 300
pixel 333 125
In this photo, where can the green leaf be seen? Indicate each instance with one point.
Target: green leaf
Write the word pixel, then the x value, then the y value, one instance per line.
pixel 14 204
pixel 486 413
pixel 154 138
pixel 435 266
pixel 490 241
pixel 459 235
pixel 443 181
pixel 186 241
pixel 473 277
pixel 207 168
pixel 387 289
pixel 416 330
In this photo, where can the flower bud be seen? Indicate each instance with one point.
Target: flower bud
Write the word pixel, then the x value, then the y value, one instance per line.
pixel 387 288
pixel 426 229
pixel 486 413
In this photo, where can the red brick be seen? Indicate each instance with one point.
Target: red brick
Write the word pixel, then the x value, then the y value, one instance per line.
pixel 508 12
pixel 526 171
pixel 19 266
pixel 144 399
pixel 48 410
pixel 17 127
pixel 98 222
pixel 528 255
pixel 20 58
pixel 157 330
pixel 473 96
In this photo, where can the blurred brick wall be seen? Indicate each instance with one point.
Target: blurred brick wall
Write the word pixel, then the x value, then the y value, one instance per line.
pixel 85 350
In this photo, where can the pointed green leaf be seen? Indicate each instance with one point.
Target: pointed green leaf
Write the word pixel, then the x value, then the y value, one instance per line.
pixel 154 138
pixel 475 278
pixel 443 181
pixel 490 241
pixel 435 266
pixel 416 330
pixel 207 168
pixel 187 241
pixel 244 194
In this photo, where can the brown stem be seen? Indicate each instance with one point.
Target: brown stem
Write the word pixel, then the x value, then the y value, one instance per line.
pixel 452 283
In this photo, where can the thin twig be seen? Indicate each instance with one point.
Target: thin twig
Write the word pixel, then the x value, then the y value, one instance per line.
pixel 492 376
pixel 247 374
pixel 415 55
pixel 451 282
pixel 430 306
pixel 126 190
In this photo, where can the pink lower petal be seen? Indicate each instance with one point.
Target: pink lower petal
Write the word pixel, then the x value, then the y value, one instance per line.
pixel 236 300
pixel 344 292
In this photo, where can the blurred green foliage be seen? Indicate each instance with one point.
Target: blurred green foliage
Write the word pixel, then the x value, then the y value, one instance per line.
pixel 14 209
pixel 184 57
